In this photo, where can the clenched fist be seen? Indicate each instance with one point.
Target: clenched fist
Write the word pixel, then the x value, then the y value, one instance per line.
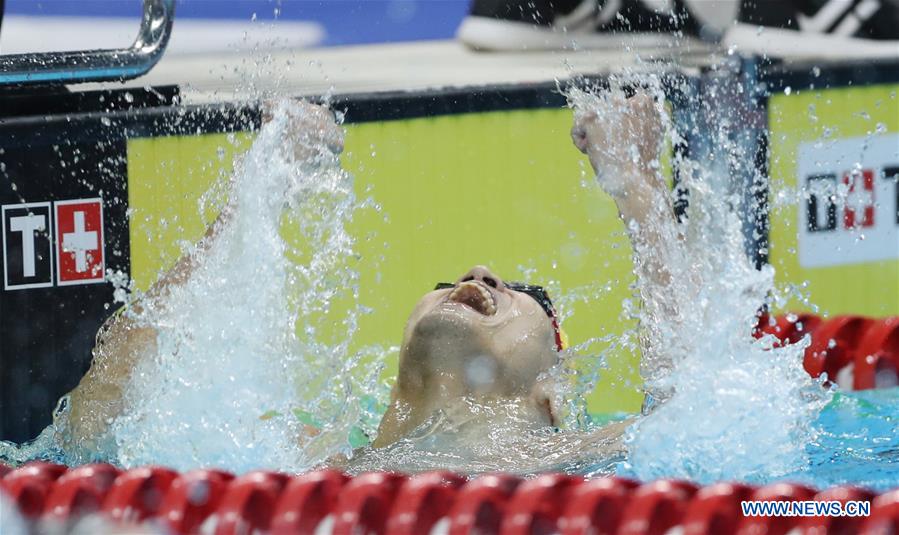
pixel 310 129
pixel 622 137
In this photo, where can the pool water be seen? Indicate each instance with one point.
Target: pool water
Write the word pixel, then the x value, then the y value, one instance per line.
pixel 857 443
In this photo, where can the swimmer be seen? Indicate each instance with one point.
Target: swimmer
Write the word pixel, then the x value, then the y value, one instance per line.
pixel 478 339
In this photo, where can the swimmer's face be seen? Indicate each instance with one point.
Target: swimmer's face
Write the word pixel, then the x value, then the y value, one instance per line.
pixel 478 337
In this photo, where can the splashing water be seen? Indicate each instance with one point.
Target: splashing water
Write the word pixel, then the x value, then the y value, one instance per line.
pixel 240 364
pixel 724 405
pixel 740 408
pixel 475 437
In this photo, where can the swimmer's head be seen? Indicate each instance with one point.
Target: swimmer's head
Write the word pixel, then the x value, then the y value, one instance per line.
pixel 478 338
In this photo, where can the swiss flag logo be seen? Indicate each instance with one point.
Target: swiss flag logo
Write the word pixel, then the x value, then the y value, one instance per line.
pixel 79 241
pixel 859 209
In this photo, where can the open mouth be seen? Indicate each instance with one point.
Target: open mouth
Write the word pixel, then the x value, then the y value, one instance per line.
pixel 475 296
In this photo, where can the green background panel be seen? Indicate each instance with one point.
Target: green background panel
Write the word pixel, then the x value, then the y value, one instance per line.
pixel 505 189
pixel 168 180
pixel 867 288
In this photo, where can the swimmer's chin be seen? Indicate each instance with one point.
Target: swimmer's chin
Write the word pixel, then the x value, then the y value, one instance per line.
pixel 451 328
pixel 447 319
pixel 454 312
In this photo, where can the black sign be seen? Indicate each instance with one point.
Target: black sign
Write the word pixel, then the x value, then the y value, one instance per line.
pixel 27 246
pixel 48 324
pixel 821 207
pixel 892 173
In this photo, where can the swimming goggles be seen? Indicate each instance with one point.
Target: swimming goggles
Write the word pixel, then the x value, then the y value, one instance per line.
pixel 537 293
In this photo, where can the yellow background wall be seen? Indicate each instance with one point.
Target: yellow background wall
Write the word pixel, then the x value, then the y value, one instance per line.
pixel 870 288
pixel 505 189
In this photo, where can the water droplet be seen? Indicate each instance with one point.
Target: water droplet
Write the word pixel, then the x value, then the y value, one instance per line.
pixel 813 117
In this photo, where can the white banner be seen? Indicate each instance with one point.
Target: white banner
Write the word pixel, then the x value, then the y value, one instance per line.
pixel 850 208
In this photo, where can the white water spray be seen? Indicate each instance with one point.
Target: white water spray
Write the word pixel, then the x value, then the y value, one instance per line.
pixel 241 362
pixel 727 406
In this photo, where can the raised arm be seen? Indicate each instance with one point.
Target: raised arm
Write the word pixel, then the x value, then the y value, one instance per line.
pixel 623 139
pixel 123 342
pixel 624 146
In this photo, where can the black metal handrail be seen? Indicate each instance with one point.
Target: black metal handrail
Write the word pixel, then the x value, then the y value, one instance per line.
pixel 96 65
